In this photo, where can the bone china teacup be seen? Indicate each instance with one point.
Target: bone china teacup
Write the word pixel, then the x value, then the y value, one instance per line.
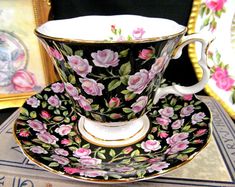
pixel 112 67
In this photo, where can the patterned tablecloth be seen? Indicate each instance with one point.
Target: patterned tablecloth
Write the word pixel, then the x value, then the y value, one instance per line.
pixel 213 166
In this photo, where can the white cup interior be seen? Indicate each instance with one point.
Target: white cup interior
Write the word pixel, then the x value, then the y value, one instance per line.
pixel 98 28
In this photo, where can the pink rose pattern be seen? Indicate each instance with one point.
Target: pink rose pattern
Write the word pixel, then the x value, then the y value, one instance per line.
pixel 179 127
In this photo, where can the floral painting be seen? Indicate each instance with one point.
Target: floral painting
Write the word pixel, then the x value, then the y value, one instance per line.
pixel 21 69
pixel 217 17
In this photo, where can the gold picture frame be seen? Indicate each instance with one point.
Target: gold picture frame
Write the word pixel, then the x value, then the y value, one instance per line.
pixel 20 19
pixel 199 9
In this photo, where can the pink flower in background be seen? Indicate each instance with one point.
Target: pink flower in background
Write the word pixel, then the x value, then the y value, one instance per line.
pixel 166 112
pixel 157 67
pixel 150 145
pixel 62 152
pixel 177 124
pixel 140 103
pixel 84 103
pixel 47 138
pixel 33 102
pixel 146 54
pixel 138 33
pixel 54 101
pixel 71 171
pixel 55 53
pixel 23 81
pixel 81 152
pixel 63 130
pixel 114 102
pixel 158 166
pixel 37 125
pixel 79 65
pixel 138 82
pixel 91 87
pixel 225 83
pixel 105 58
pixel 57 87
pixel 38 150
pixel 60 159
pixel 186 111
pixel 196 118
pixel 219 74
pixel 215 5
pixel 71 90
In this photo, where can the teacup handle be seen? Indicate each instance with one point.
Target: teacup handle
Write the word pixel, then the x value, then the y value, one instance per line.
pixel 183 90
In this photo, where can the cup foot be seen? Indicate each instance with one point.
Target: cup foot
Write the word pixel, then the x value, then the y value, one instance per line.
pixel 114 134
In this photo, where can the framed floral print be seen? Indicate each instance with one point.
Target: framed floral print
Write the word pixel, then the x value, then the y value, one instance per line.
pixel 24 67
pixel 218 18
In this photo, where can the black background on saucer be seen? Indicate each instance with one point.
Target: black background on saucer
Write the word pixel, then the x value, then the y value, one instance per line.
pixel 180 70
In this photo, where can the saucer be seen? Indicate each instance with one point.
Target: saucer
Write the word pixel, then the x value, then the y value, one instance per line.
pixel 48 134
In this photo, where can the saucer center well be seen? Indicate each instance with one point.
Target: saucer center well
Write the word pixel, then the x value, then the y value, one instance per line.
pixel 123 134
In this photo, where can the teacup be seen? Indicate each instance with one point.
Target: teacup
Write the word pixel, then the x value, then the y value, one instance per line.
pixel 112 68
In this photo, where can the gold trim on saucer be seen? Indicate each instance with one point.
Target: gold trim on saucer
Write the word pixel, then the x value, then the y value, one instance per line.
pixel 194 59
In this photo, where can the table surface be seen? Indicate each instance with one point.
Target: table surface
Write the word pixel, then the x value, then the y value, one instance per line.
pixel 213 166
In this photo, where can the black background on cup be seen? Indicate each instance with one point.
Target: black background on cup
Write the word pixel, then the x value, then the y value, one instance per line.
pixel 180 70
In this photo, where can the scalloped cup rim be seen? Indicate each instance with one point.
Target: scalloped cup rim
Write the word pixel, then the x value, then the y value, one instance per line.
pixel 80 29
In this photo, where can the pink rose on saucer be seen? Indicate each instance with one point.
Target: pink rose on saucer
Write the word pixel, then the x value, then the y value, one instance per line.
pixel 62 152
pixel 177 124
pixel 138 82
pixel 157 67
pixel 105 58
pixel 140 103
pixel 158 166
pixel 47 138
pixel 38 150
pixel 79 65
pixel 150 145
pixel 215 5
pixel 179 146
pixel 91 87
pixel 201 132
pixel 186 111
pixel 63 130
pixel 57 87
pixel 188 97
pixel 60 159
pixel 114 102
pixel 166 112
pixel 71 171
pixel 24 133
pixel 163 134
pixel 37 125
pixel 81 152
pixel 88 161
pixel 177 138
pixel 54 101
pixel 198 117
pixel 33 102
pixel 163 121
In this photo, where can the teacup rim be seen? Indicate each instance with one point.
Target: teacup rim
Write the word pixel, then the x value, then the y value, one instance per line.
pixel 142 40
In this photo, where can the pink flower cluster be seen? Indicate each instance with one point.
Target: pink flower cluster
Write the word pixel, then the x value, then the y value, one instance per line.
pixel 222 79
pixel 215 5
pixel 150 145
pixel 177 142
pixel 140 103
pixel 165 113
